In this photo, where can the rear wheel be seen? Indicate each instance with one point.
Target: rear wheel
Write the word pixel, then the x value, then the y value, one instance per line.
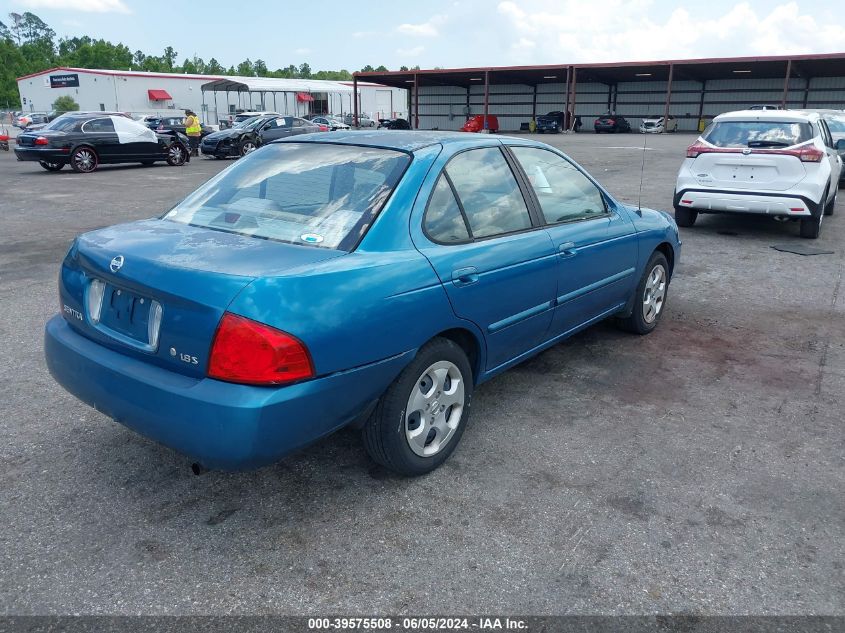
pixel 84 160
pixel 421 417
pixel 829 207
pixel 51 166
pixel 685 217
pixel 812 226
pixel 650 300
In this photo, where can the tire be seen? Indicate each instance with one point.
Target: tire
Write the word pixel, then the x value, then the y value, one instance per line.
pixel 51 166
pixel 247 147
pixel 812 226
pixel 84 160
pixel 177 155
pixel 394 435
pixel 650 297
pixel 685 217
pixel 830 206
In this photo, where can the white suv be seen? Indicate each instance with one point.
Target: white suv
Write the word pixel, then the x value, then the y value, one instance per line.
pixel 772 162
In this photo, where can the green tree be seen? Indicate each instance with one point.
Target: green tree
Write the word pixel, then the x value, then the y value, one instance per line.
pixel 259 67
pixel 403 68
pixel 169 58
pixel 245 69
pixel 305 70
pixel 367 69
pixel 5 33
pixel 65 103
pixel 138 59
pixel 213 67
pixel 382 68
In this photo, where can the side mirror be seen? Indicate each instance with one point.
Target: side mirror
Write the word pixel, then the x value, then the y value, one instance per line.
pixel 840 145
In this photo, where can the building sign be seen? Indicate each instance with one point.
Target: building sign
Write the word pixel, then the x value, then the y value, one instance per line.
pixel 64 81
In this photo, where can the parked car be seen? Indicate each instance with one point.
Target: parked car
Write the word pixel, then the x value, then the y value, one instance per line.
pixel 26 119
pixel 836 125
pixel 779 163
pixel 176 123
pixel 346 279
pixel 655 125
pixel 240 141
pixel 476 123
pixel 554 122
pixel 241 117
pixel 611 123
pixel 54 116
pixel 363 120
pixel 394 124
pixel 332 123
pixel 85 140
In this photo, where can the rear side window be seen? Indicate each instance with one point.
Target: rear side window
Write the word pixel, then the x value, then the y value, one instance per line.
pixel 444 221
pixel 488 192
pixel 564 193
pixel 96 126
pixel 758 133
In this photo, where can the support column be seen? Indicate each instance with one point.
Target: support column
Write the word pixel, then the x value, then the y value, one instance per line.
pixel 566 115
pixel 416 101
pixel 786 84
pixel 806 92
pixel 701 104
pixel 216 111
pixel 609 97
pixel 534 104
pixel 615 97
pixel 573 99
pixel 668 96
pixel 486 97
pixel 355 101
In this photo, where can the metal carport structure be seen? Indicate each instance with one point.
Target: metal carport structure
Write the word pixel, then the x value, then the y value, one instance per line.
pixel 691 90
pixel 284 96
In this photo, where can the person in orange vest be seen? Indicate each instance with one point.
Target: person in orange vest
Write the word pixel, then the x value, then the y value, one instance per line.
pixel 193 130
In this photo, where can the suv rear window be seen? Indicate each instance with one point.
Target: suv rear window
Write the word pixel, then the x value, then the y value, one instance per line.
pixel 758 133
pixel 304 193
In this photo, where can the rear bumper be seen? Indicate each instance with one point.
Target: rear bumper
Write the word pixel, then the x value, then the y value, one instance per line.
pixel 746 202
pixel 49 154
pixel 221 425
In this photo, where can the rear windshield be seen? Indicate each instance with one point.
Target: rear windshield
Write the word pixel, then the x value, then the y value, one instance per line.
pixel 758 134
pixel 62 124
pixel 313 194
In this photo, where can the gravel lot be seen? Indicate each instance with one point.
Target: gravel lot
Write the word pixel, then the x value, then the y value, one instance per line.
pixel 698 470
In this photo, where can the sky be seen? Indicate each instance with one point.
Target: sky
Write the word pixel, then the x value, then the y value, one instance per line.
pixel 447 33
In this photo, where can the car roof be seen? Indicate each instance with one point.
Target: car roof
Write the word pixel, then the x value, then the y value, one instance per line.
pixel 791 116
pixel 402 140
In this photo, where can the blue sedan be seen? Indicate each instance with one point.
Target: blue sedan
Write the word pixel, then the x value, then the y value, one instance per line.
pixel 366 279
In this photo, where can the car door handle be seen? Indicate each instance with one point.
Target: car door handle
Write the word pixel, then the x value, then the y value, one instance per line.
pixel 465 276
pixel 567 249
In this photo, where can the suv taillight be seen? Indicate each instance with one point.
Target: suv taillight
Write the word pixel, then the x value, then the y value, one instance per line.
pixel 248 352
pixel 809 153
pixel 697 148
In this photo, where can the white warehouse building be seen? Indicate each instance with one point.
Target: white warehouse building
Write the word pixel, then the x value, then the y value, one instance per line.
pixel 212 97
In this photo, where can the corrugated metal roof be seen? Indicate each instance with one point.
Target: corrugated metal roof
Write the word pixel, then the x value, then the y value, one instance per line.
pixel 271 84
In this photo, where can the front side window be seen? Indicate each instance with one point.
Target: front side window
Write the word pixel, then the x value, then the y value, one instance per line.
pixel 564 193
pixel 311 194
pixel 488 192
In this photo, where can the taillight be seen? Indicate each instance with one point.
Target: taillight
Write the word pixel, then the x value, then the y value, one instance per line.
pixel 611 121
pixel 324 128
pixel 249 352
pixel 41 141
pixel 696 148
pixel 809 153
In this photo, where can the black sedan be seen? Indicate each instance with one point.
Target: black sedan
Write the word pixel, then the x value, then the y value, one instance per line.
pixel 612 123
pixel 240 141
pixel 175 123
pixel 393 124
pixel 88 139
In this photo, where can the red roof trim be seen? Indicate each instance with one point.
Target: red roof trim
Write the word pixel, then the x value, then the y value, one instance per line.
pixel 118 73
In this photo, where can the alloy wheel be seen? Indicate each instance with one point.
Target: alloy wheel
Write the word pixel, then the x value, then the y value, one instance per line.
pixel 434 408
pixel 655 293
pixel 85 160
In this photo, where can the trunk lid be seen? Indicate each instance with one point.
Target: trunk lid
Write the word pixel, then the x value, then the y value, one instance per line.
pixel 188 275
pixel 737 170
